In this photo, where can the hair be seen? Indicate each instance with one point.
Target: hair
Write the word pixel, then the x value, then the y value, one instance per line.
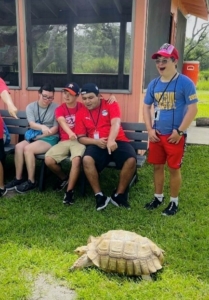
pixel 46 87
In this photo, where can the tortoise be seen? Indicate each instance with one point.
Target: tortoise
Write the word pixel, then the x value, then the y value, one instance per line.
pixel 121 252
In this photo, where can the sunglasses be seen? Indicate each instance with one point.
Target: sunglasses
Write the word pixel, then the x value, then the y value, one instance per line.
pixel 45 97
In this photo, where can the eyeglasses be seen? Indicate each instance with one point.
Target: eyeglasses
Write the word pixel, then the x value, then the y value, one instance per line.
pixel 45 97
pixel 162 61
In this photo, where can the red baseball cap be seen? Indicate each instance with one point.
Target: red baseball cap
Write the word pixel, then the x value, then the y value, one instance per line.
pixel 166 50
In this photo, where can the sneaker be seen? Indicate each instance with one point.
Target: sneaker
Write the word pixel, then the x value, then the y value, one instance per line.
pixel 60 184
pixel 154 204
pixel 25 187
pixel 101 202
pixel 69 198
pixel 170 210
pixel 12 184
pixel 3 192
pixel 120 200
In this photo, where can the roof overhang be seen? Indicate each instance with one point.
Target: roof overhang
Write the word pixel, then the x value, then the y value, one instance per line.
pixel 197 8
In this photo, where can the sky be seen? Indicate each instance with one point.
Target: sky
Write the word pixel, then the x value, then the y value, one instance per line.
pixel 190 24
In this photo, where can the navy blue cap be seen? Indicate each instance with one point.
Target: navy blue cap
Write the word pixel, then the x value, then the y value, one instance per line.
pixel 90 88
pixel 73 88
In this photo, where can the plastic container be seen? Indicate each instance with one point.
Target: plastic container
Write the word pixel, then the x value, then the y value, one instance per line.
pixel 191 69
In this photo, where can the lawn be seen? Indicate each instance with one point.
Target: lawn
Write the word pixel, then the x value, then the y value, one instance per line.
pixel 203 104
pixel 38 235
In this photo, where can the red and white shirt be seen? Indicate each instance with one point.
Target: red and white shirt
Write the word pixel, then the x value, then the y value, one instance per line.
pixel 99 120
pixel 70 115
pixel 3 87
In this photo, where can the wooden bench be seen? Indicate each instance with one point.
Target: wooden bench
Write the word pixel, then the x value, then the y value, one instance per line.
pixel 136 133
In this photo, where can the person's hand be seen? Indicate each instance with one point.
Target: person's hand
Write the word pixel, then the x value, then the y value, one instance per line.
pixel 111 146
pixel 101 143
pixel 72 136
pixel 153 136
pixel 12 109
pixel 111 99
pixel 46 130
pixel 174 138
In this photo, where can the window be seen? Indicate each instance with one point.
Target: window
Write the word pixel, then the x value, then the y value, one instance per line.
pixel 81 42
pixel 8 43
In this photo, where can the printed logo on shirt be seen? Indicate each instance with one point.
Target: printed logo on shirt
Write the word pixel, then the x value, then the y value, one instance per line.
pixel 167 101
pixel 70 120
pixel 192 97
pixel 104 113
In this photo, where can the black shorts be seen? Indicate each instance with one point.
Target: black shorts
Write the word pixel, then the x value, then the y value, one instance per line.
pixel 102 157
pixel 2 153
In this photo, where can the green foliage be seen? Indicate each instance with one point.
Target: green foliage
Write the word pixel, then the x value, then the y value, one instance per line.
pixel 38 235
pixel 95 48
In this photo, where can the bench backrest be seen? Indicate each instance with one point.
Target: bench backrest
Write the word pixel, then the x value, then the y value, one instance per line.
pixel 137 134
pixel 15 126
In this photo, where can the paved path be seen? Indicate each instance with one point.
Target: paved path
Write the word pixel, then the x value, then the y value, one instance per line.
pixel 198 135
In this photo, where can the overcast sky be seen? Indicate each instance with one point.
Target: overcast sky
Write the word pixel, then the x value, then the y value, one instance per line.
pixel 190 24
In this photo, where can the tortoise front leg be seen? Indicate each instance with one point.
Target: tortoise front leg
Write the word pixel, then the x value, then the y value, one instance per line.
pixel 81 262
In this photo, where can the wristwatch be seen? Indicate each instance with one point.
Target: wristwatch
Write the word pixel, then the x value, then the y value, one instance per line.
pixel 180 132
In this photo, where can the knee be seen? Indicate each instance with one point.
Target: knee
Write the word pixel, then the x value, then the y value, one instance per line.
pixel 49 161
pixel 87 161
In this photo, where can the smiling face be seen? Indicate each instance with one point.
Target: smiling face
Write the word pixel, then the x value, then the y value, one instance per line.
pixel 166 66
pixel 45 98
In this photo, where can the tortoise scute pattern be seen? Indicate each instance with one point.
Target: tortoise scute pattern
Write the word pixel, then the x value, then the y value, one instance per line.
pixel 123 252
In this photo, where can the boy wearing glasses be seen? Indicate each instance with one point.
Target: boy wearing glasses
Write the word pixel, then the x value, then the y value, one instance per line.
pixel 170 105
pixel 40 116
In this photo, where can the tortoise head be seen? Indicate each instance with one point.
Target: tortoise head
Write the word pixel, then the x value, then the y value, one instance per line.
pixel 81 250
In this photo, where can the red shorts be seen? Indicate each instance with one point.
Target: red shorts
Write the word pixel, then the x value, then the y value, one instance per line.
pixel 163 151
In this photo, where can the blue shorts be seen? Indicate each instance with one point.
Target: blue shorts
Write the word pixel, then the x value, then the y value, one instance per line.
pixel 102 157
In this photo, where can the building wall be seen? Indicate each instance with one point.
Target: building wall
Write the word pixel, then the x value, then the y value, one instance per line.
pixel 131 104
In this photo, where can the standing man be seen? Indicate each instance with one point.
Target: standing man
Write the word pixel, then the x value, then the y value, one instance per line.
pixel 5 96
pixel 68 145
pixel 98 126
pixel 170 105
pixel 40 116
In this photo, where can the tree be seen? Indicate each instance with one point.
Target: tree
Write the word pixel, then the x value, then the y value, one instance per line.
pixel 197 47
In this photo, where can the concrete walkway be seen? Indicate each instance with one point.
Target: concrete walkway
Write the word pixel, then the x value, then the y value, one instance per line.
pixel 198 135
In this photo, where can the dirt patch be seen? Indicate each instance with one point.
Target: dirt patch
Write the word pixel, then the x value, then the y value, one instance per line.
pixel 47 288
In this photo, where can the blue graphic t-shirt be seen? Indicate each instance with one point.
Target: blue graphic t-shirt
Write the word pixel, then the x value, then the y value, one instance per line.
pixel 172 104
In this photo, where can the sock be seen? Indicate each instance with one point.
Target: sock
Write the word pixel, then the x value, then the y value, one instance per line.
pixel 70 192
pixel 175 200
pixel 159 197
pixel 100 193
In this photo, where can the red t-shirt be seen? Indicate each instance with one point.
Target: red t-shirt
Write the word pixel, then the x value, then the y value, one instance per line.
pixel 3 87
pixel 69 115
pixel 99 120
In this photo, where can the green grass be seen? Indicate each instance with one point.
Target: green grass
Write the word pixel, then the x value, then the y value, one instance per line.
pixel 203 104
pixel 38 235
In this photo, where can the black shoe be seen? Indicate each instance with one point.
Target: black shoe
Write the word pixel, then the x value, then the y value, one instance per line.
pixel 60 184
pixel 101 201
pixel 69 198
pixel 120 200
pixel 154 204
pixel 170 210
pixel 25 187
pixel 3 192
pixel 12 184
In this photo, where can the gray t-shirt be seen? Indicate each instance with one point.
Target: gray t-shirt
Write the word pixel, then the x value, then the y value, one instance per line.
pixel 38 114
